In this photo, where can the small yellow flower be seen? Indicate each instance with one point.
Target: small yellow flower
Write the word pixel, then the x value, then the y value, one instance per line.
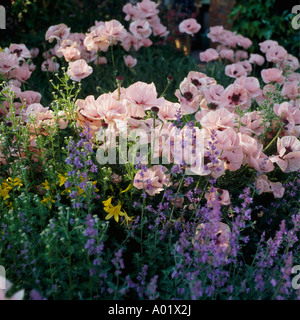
pixel 47 201
pixel 10 183
pixel 113 211
pixel 62 179
pixel 126 218
pixel 4 192
pixel 46 185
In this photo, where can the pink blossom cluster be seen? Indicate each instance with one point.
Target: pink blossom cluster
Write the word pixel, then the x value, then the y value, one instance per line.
pixel 215 110
pixel 80 49
pixel 70 46
pixel 16 64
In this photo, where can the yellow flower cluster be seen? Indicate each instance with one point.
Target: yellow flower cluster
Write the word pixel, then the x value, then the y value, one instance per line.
pixel 8 185
pixel 116 211
pixel 62 178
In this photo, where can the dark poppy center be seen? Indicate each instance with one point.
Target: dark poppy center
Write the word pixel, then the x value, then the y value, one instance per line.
pixel 195 82
pixel 235 98
pixel 188 96
pixel 212 106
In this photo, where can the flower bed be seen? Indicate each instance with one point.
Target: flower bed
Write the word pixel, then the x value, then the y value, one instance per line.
pixel 114 187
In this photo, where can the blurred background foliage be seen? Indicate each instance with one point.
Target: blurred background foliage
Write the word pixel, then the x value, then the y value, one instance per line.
pixel 266 19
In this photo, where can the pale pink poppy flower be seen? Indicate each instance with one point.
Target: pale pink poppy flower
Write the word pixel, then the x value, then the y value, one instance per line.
pixel 246 43
pixel 267 44
pixel 252 123
pixel 31 66
pixel 188 96
pixel 154 20
pixel 209 55
pixel 100 60
pixel 189 26
pixel 213 95
pixel 142 94
pixel 60 31
pixel 114 30
pixel 168 111
pixel 71 54
pixel 15 83
pixel 159 30
pixel 254 155
pixel 235 70
pixel 8 62
pixel 134 111
pixel 241 55
pixel 39 119
pixel 235 95
pixel 272 75
pixel 131 40
pixel 145 42
pixel 276 54
pixel 34 52
pixel 249 145
pixel 277 189
pixel 219 119
pixel 22 73
pixel 50 66
pixel 131 12
pixel 96 25
pixel 79 70
pixel 153 180
pixel 19 295
pixel 291 90
pixel 230 151
pixel 247 65
pixel 20 50
pixel 147 8
pixel 227 54
pixel 30 97
pixel 289 62
pixel 13 89
pixel 34 109
pixel 290 116
pixel 293 76
pixel 97 40
pixel 214 33
pixel 222 234
pixel 260 161
pixel 110 109
pixel 140 28
pixel 87 113
pixel 256 59
pixel 221 194
pixel 200 80
pixel 251 84
pixel 228 38
pixel 201 113
pixel 262 184
pixel 130 61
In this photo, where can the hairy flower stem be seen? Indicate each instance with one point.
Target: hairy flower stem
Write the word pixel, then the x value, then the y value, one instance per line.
pixel 267 147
